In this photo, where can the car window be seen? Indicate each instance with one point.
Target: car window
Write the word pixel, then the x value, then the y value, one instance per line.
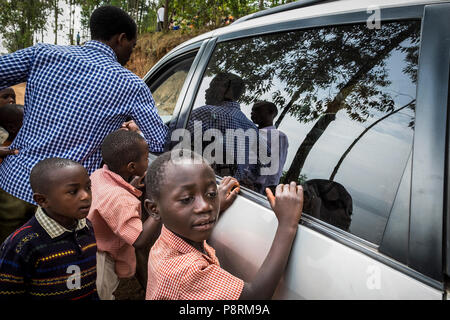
pixel 333 107
pixel 167 87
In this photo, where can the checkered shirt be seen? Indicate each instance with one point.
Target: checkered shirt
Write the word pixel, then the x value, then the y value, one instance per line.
pixel 75 96
pixel 178 271
pixel 223 117
pixel 53 228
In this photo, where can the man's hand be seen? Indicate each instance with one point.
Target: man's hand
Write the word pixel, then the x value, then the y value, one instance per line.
pixel 4 152
pixel 130 126
pixel 227 194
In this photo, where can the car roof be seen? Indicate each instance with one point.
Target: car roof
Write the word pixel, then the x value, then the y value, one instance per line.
pixel 316 9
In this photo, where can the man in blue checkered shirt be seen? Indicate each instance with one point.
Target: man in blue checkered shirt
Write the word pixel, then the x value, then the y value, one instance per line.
pixel 223 112
pixel 75 96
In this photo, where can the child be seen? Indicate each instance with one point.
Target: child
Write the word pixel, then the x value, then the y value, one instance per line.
pixel 263 113
pixel 7 96
pixel 52 256
pixel 181 264
pixel 11 118
pixel 116 210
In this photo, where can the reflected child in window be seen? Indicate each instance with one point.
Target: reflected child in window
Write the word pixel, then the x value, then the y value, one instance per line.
pixel 263 114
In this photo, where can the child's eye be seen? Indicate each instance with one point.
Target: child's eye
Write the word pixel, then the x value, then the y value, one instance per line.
pixel 186 200
pixel 212 194
pixel 72 192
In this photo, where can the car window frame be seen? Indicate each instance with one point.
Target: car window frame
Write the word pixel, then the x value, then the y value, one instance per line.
pixel 421 269
pixel 170 60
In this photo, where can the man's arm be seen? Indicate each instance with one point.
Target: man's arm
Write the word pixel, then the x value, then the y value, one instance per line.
pixel 149 122
pixel 15 67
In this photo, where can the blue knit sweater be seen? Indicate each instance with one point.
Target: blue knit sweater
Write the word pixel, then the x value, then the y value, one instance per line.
pixel 35 266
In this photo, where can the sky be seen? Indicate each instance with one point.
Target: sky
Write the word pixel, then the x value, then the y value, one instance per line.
pixel 49 36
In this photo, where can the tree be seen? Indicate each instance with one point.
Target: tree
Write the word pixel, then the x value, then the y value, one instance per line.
pixel 321 72
pixel 166 15
pixel 20 20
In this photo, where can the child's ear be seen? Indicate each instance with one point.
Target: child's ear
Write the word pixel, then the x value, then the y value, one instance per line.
pixel 131 167
pixel 40 199
pixel 152 208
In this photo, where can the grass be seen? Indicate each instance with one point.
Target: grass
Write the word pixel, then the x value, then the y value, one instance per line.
pixel 151 47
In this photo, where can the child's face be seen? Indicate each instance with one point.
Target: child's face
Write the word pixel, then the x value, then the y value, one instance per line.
pixel 260 115
pixel 142 164
pixel 69 197
pixel 189 201
pixel 7 96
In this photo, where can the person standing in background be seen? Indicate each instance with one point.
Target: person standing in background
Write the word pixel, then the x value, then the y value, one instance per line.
pixel 160 19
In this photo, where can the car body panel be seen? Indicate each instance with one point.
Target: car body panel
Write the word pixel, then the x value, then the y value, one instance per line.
pixel 318 268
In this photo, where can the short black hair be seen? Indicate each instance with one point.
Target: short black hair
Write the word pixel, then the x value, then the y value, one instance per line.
pixel 121 147
pixel 11 113
pixel 107 21
pixel 235 82
pixel 270 106
pixel 156 172
pixel 39 177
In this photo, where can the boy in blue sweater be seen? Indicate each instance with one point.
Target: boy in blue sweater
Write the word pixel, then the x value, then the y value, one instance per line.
pixel 53 255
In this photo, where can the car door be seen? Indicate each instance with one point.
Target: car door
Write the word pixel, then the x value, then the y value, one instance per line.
pixel 168 81
pixel 364 110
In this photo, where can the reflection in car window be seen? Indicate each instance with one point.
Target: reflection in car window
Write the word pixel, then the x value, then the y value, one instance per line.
pixel 167 88
pixel 345 97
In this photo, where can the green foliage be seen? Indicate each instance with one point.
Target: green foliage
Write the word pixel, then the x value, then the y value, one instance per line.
pixel 19 20
pixel 22 20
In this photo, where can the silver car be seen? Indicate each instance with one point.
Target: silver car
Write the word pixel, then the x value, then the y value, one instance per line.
pixel 361 88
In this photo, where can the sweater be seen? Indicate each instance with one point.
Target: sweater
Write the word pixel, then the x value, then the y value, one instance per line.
pixel 44 261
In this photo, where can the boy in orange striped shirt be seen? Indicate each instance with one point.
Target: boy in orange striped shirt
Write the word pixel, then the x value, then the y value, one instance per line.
pixel 182 190
pixel 116 210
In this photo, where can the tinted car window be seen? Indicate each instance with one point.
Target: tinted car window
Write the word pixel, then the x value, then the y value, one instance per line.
pixel 167 87
pixel 345 99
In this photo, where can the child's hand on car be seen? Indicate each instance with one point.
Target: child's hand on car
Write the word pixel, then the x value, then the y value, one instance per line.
pixel 227 194
pixel 287 203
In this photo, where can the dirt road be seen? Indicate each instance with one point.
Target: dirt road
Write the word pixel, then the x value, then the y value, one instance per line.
pixel 20 92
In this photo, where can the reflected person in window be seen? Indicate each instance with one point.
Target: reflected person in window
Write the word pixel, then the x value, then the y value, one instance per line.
pixel 223 112
pixel 263 114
